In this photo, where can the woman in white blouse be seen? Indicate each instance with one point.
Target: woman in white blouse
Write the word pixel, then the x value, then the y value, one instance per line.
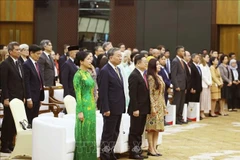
pixel 205 97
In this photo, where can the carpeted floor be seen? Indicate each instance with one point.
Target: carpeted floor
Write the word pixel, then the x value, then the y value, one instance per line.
pixel 212 138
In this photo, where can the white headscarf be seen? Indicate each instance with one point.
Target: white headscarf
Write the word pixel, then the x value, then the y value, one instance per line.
pixel 234 69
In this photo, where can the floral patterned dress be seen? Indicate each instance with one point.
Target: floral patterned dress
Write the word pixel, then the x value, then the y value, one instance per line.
pixel 85 132
pixel 157 101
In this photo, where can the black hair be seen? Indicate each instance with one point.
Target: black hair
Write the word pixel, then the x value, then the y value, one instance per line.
pixel 231 54
pixel 133 55
pixel 34 48
pixel 178 47
pixel 138 58
pixel 222 58
pixel 80 57
pixel 160 56
pixel 212 59
pixel 151 71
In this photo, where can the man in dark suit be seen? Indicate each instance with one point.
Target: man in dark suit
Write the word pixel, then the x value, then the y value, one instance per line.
pixel 186 60
pixel 98 50
pixel 12 80
pixel 46 64
pixel 196 78
pixel 164 74
pixel 168 61
pixel 33 83
pixel 24 53
pixel 111 103
pixel 63 59
pixel 106 47
pixel 68 71
pixel 179 80
pixel 139 106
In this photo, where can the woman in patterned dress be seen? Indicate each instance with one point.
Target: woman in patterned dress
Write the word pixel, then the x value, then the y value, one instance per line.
pixel 155 120
pixel 85 128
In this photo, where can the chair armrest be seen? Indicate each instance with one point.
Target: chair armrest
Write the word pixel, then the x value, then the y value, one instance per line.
pixel 54 108
pixel 54 100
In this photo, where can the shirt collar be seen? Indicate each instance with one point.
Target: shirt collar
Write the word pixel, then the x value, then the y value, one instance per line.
pixel 71 59
pixel 112 65
pixel 179 58
pixel 184 61
pixel 14 60
pixel 140 71
pixel 195 64
pixel 32 60
pixel 46 53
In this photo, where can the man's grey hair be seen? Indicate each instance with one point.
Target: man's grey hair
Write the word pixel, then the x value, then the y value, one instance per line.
pixel 112 51
pixel 11 45
pixel 105 45
pixel 44 42
pixel 144 52
pixel 194 55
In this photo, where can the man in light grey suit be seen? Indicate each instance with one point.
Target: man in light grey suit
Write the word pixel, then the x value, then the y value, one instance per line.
pixel 179 80
pixel 46 64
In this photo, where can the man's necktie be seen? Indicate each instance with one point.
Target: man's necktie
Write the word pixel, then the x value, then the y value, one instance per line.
pixel 165 72
pixel 50 58
pixel 199 70
pixel 117 71
pixel 168 66
pixel 145 79
pixel 182 64
pixel 37 69
pixel 18 68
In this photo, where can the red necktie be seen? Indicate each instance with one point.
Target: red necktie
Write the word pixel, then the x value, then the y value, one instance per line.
pixel 39 75
pixel 145 79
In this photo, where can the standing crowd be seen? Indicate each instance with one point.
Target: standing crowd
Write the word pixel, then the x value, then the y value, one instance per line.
pixel 116 80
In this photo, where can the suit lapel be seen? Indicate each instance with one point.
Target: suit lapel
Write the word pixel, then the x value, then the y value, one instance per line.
pixel 180 65
pixel 33 68
pixel 74 67
pixel 49 61
pixel 140 77
pixel 114 73
pixel 15 67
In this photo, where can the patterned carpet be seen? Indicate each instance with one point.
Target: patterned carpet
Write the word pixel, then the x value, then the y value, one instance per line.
pixel 210 139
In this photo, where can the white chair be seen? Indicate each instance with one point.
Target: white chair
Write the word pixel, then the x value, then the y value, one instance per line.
pixel 23 144
pixel 171 116
pixel 184 114
pixel 193 111
pixel 53 138
pixel 122 141
pixel 70 104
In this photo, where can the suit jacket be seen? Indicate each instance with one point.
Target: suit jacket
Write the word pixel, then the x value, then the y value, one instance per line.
pixel 196 78
pixel 62 60
pixel 166 80
pixel 225 73
pixel 178 74
pixel 11 80
pixel 47 70
pixel 20 59
pixel 32 82
pixel 111 91
pixel 68 71
pixel 138 93
pixel 94 62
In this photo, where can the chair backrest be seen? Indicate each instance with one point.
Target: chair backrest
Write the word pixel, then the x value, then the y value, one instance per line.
pixel 57 93
pixel 46 100
pixel 18 111
pixel 70 104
